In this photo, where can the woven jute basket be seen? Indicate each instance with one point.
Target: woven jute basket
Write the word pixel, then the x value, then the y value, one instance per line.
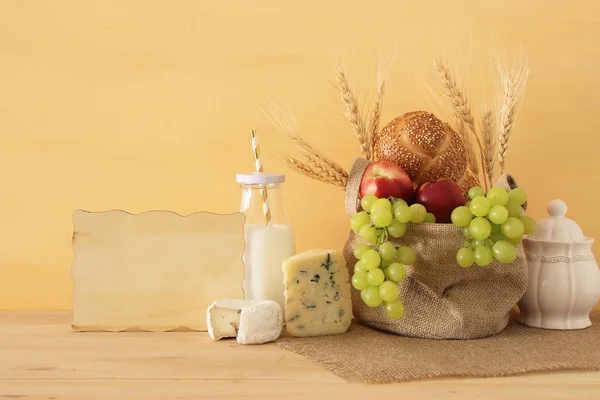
pixel 442 299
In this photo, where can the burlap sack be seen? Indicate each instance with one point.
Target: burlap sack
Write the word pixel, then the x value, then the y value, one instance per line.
pixel 442 299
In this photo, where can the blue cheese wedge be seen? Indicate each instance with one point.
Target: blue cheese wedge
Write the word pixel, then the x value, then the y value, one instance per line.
pixel 249 321
pixel 317 294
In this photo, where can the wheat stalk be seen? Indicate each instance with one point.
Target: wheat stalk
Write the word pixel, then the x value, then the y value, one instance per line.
pixel 463 114
pixel 317 165
pixel 350 99
pixel 489 143
pixel 512 88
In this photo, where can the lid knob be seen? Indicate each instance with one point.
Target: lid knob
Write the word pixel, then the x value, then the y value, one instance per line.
pixel 557 208
pixel 557 227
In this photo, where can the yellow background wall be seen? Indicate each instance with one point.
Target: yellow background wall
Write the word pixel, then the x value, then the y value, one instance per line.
pixel 147 104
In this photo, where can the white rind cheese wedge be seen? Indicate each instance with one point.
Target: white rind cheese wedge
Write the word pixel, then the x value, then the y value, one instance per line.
pixel 250 321
pixel 223 318
pixel 317 294
pixel 261 322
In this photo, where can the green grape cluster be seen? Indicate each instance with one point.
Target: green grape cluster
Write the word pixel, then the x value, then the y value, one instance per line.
pixel 381 266
pixel 493 226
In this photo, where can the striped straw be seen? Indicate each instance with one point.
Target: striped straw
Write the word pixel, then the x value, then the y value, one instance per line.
pixel 259 168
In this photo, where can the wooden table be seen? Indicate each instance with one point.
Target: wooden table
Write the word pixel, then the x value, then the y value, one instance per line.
pixel 40 358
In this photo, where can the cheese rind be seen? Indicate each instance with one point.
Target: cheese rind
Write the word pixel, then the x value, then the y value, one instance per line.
pixel 250 321
pixel 317 294
pixel 260 323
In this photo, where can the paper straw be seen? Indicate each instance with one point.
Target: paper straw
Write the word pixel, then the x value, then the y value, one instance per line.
pixel 259 168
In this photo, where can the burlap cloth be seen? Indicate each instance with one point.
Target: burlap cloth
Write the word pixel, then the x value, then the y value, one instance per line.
pixel 367 355
pixel 442 299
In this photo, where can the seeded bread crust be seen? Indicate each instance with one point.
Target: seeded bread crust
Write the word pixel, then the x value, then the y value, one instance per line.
pixel 425 147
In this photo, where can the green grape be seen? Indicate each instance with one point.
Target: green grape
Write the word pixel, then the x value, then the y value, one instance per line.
pixel 483 256
pixel 430 218
pixel 396 203
pixel 386 272
pixel 395 309
pixel 381 203
pixel 498 214
pixel 368 234
pixel 388 291
pixel 495 228
pixel 513 228
pixel 371 259
pixel 529 224
pixel 358 220
pixel 406 255
pixel 465 257
pixel 385 264
pixel 515 241
pixel 498 196
pixel 467 232
pixel 360 266
pixel 476 192
pixel 359 280
pixel 418 213
pixel 480 228
pixel 360 249
pixel 367 202
pixel 474 244
pixel 479 242
pixel 381 217
pixel 370 296
pixel 403 213
pixel 514 208
pixel 396 229
pixel 461 216
pixel 518 195
pixel 396 272
pixel 480 206
pixel 504 252
pixel 375 277
pixel 496 237
pixel 387 251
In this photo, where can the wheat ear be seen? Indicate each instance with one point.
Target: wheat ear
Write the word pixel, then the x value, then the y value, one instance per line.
pixel 488 133
pixel 314 171
pixel 375 116
pixel 350 99
pixel 512 88
pixel 316 165
pixel 463 114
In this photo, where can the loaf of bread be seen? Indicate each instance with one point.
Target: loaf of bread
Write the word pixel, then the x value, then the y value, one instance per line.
pixel 426 148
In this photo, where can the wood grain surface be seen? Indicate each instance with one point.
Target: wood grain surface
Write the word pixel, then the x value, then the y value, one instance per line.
pixel 41 358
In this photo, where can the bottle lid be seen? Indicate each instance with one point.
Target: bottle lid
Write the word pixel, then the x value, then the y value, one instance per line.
pixel 557 228
pixel 259 178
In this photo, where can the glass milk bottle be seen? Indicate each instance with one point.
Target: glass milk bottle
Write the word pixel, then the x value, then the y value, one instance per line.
pixel 267 245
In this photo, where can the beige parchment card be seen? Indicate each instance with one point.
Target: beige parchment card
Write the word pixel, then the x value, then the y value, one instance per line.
pixel 154 271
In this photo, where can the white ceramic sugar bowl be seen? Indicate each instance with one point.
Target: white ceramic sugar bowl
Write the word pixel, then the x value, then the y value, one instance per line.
pixel 564 280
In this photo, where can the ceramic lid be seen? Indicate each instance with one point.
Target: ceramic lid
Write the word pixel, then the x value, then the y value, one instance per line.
pixel 557 228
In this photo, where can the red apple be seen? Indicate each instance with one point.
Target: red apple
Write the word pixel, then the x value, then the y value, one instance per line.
pixel 440 198
pixel 386 179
